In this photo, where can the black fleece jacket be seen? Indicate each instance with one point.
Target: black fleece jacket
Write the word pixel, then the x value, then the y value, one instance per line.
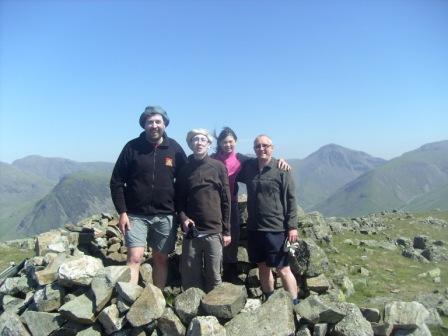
pixel 142 181
pixel 203 194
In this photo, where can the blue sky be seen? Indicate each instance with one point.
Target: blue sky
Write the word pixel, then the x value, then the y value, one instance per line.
pixel 367 75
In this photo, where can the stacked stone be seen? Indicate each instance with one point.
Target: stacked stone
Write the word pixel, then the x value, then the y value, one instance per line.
pixel 78 284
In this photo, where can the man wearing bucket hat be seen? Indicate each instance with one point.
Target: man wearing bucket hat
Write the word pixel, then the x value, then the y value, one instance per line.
pixel 142 189
pixel 203 204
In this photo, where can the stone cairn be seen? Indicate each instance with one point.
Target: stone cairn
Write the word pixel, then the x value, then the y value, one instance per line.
pixel 78 284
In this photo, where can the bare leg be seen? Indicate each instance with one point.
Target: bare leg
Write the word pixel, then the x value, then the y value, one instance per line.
pixel 135 255
pixel 160 272
pixel 288 280
pixel 266 278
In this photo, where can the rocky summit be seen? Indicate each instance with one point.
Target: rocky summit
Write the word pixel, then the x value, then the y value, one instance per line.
pixel 78 284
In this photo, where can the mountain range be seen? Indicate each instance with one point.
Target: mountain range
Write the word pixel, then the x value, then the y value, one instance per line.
pixel 41 193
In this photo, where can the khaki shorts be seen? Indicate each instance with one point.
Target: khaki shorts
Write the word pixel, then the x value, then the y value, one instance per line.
pixel 159 232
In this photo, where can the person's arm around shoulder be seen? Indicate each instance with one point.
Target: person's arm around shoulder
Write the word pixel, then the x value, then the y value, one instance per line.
pixel 282 164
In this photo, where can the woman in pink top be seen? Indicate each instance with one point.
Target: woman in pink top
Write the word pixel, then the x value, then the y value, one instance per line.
pixel 226 153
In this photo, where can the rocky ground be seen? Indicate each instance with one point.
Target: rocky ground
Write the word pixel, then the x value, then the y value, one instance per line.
pixel 382 274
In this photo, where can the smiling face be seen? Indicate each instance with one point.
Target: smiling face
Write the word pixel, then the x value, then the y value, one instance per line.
pixel 199 144
pixel 227 145
pixel 154 128
pixel 263 148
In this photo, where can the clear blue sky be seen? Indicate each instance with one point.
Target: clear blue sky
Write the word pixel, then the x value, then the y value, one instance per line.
pixel 367 75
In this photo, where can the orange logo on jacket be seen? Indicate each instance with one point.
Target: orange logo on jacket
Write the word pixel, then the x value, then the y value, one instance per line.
pixel 169 161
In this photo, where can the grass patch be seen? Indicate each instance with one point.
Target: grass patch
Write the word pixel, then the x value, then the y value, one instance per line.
pixel 8 254
pixel 391 276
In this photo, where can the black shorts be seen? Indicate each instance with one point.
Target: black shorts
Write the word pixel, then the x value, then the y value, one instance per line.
pixel 264 246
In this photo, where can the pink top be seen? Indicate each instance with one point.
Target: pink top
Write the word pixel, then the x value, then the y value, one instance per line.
pixel 233 166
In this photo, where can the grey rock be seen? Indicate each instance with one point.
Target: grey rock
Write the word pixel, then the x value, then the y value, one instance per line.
pixel 251 305
pixel 420 242
pixel 147 308
pixel 224 301
pixel 313 310
pixel 129 291
pixel 187 304
pixel 50 273
pixel 253 278
pixel 49 298
pixel 319 284
pixel 45 239
pixel 146 274
pixel 102 292
pixel 110 319
pixel 434 318
pixel 353 324
pixel 80 310
pixel 309 259
pixel 205 326
pixel 405 315
pixel 16 285
pixel 79 270
pixel 435 253
pixel 10 325
pixel 104 282
pixel 320 329
pixel 420 331
pixel 122 305
pixel 274 317
pixel 11 303
pixel 381 329
pixel 170 324
pixel 303 331
pixel 42 323
pixel 371 314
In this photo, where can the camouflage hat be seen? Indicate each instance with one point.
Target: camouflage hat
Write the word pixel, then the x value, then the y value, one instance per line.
pixel 150 110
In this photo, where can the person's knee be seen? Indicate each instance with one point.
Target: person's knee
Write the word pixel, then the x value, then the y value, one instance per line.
pixel 284 272
pixel 159 258
pixel 134 259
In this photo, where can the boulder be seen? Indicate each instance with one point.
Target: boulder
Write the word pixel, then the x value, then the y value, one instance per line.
pixel 274 317
pixel 49 298
pixel 79 270
pixel 170 324
pixel 353 324
pixel 110 319
pixel 205 326
pixel 313 310
pixel 81 309
pixel 309 259
pixel 187 304
pixel 405 315
pixel 41 323
pixel 319 284
pixel 10 325
pixel 148 307
pixel 224 301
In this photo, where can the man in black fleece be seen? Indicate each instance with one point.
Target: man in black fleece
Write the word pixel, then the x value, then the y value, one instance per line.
pixel 142 189
pixel 203 204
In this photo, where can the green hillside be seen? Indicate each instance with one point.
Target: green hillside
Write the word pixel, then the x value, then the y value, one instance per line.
pixel 393 184
pixel 436 199
pixel 76 196
pixel 321 173
pixel 19 191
